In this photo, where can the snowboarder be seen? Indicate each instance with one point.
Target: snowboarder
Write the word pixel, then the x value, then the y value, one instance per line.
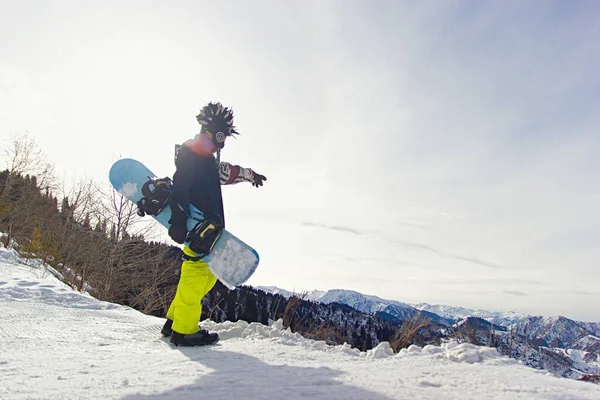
pixel 196 182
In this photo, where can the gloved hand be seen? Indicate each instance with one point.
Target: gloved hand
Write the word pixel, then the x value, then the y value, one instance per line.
pixel 258 179
pixel 178 233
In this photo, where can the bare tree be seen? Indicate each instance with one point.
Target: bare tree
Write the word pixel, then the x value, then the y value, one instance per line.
pixel 122 233
pixel 407 331
pixel 122 217
pixel 23 156
pixel 67 229
pixel 154 281
pixel 24 161
pixel 82 196
pixel 289 315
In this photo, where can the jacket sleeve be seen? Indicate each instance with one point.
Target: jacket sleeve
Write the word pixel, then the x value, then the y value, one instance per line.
pixel 180 191
pixel 232 174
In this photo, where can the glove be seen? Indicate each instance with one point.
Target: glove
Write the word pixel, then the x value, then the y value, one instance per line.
pixel 258 179
pixel 178 233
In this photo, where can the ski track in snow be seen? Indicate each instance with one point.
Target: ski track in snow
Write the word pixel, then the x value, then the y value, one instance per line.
pixel 57 343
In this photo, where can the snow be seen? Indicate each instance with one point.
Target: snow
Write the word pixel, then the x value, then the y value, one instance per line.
pixel 231 261
pixel 58 343
pixel 313 295
pixel 128 189
pixel 454 312
pixel 579 359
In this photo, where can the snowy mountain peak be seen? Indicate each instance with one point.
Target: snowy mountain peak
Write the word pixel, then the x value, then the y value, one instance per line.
pixel 275 290
pixel 364 303
pixel 313 295
pixel 454 312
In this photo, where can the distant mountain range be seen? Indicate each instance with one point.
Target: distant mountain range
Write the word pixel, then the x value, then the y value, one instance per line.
pixel 457 313
pixel 561 345
pixel 398 311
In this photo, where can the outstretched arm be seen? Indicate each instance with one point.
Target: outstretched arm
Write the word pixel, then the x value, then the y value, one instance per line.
pixel 232 174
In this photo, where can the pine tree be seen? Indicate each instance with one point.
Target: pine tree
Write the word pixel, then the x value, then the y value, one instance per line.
pixel 369 342
pixel 251 314
pixel 34 246
pixel 64 206
pixel 231 302
pixel 264 312
pixel 87 225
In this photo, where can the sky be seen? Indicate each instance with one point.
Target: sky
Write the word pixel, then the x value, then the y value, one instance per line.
pixel 441 152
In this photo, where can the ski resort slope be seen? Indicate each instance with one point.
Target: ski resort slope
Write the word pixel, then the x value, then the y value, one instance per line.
pixel 58 343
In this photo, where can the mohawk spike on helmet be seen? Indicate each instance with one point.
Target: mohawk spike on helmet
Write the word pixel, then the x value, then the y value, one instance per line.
pixel 214 118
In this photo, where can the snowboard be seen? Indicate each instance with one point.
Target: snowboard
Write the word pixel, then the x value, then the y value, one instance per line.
pixel 231 260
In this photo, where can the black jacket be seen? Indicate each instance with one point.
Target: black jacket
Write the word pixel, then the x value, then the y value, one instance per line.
pixel 196 181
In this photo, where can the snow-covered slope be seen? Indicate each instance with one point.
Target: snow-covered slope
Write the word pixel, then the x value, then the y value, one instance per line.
pixel 57 343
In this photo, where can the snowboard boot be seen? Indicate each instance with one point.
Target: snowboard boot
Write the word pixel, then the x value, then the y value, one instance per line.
pixel 200 338
pixel 167 328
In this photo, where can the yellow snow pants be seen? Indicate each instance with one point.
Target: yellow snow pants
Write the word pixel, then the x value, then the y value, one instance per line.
pixel 195 282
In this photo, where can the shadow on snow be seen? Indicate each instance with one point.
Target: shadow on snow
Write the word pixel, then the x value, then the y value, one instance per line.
pixel 238 375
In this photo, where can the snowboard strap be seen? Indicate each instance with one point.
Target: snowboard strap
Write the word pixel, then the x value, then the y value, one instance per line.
pixel 205 234
pixel 190 258
pixel 157 195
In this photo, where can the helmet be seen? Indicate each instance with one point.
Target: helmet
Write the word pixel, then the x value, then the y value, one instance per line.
pixel 217 120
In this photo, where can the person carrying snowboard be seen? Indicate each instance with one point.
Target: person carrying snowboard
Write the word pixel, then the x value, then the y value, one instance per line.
pixel 197 182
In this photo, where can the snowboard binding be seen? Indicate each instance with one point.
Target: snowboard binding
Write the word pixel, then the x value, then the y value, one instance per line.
pixel 205 234
pixel 157 195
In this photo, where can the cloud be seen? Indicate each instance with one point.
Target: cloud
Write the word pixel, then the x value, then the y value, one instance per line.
pixel 394 262
pixel 469 259
pixel 499 282
pixel 584 293
pixel 414 224
pixel 335 228
pixel 345 258
pixel 515 293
